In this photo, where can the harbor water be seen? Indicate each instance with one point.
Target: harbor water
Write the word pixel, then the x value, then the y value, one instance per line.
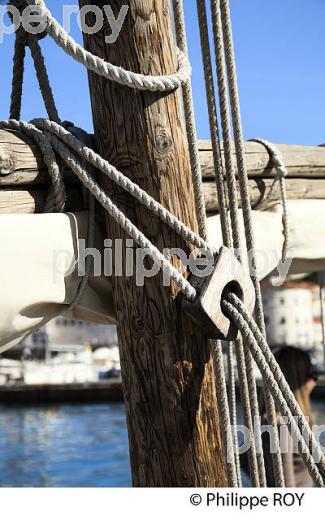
pixel 70 445
pixel 64 446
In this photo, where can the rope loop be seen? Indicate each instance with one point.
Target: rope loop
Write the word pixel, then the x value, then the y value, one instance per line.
pixel 163 83
pixel 282 172
pixel 275 155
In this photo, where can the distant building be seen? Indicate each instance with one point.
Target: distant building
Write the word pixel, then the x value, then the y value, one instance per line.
pixel 292 315
pixel 65 332
pixel 64 351
pixel 289 314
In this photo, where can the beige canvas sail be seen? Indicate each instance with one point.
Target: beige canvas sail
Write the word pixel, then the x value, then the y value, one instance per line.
pixel 39 281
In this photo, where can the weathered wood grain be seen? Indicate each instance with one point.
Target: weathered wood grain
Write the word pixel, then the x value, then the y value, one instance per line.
pixel 33 200
pixel 262 195
pixel 301 161
pixel 168 378
pixel 22 163
pixel 207 307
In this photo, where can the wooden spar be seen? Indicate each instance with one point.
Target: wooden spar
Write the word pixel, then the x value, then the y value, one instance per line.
pixel 301 161
pixel 23 172
pixel 21 161
pixel 263 193
pixel 32 200
pixel 168 378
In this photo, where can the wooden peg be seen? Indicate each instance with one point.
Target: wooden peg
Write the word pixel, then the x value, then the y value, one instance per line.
pixel 206 309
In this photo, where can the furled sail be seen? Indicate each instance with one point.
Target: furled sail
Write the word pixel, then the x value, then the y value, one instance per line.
pixel 39 262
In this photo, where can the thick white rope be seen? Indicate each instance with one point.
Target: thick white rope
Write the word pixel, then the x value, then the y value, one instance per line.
pixel 164 83
pixel 123 182
pixel 132 230
pixel 49 159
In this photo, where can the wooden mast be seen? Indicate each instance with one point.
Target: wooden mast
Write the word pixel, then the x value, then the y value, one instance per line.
pixel 168 378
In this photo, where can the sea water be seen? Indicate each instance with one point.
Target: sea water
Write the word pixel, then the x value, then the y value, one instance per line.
pixel 70 445
pixel 64 446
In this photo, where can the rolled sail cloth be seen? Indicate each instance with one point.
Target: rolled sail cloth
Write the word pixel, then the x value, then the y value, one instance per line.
pixel 306 233
pixel 42 258
pixel 39 274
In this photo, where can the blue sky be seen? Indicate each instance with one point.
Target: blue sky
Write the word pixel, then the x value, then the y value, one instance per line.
pixel 280 50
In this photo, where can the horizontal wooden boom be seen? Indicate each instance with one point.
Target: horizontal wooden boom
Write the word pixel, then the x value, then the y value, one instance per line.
pixel 23 172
